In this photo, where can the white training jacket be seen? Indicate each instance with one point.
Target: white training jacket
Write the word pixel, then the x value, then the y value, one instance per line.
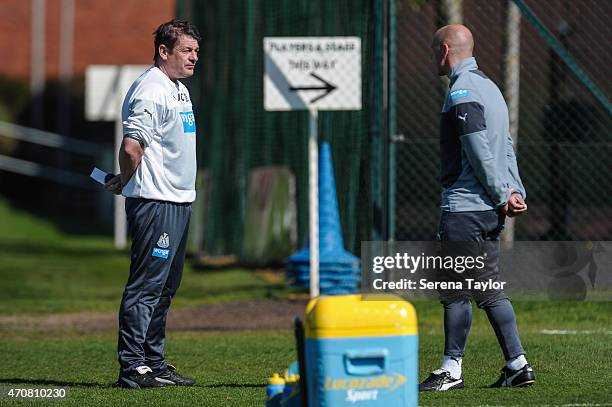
pixel 157 113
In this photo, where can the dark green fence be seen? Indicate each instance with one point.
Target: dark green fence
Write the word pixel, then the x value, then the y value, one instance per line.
pixel 237 135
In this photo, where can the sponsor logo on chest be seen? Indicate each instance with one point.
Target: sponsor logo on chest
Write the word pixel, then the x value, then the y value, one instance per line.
pixel 188 120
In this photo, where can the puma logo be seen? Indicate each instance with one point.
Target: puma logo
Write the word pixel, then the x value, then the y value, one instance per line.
pixel 464 117
pixel 149 113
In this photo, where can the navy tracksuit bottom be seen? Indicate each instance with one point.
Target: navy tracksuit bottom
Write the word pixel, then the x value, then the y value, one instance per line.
pixel 475 233
pixel 159 236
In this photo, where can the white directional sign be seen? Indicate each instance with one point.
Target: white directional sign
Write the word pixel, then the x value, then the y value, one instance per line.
pixel 322 73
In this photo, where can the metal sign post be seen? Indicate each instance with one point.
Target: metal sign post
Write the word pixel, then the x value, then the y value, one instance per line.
pixel 312 73
pixel 120 226
pixel 313 202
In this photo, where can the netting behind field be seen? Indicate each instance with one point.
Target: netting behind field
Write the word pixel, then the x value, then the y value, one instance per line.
pixel 237 135
pixel 563 136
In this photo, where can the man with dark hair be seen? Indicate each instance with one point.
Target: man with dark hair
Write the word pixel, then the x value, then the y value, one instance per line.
pixel 168 34
pixel 482 186
pixel 158 171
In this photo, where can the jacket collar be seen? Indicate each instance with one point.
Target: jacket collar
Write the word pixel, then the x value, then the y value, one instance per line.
pixel 468 64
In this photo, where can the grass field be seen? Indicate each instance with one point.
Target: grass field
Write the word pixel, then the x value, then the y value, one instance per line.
pixel 45 271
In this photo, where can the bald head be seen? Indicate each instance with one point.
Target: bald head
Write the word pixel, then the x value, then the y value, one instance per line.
pixel 451 44
pixel 458 38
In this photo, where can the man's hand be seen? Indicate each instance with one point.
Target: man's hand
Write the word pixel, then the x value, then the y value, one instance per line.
pixel 114 185
pixel 516 205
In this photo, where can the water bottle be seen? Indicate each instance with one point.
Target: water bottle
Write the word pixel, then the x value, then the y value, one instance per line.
pixel 274 390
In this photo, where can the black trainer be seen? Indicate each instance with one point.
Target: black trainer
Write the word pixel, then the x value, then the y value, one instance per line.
pixel 515 378
pixel 140 378
pixel 441 380
pixel 171 377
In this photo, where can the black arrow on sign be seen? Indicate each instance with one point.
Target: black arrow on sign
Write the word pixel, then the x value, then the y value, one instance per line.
pixel 327 87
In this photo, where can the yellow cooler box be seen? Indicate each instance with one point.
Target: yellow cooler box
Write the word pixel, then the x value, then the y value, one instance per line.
pixel 361 350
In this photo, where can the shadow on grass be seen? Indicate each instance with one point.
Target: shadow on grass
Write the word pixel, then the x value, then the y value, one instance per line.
pixel 515 388
pixel 237 385
pixel 269 291
pixel 44 248
pixel 77 221
pixel 59 383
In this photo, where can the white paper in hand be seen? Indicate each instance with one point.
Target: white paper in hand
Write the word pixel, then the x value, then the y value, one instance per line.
pixel 98 175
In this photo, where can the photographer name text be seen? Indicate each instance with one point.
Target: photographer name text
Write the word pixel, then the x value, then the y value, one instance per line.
pixel 424 284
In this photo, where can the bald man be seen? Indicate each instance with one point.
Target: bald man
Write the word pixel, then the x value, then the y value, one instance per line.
pixel 482 186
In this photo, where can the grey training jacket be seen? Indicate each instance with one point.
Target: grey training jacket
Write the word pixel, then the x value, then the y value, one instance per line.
pixel 478 169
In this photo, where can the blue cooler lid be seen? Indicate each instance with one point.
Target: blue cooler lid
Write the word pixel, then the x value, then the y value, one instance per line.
pixel 359 315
